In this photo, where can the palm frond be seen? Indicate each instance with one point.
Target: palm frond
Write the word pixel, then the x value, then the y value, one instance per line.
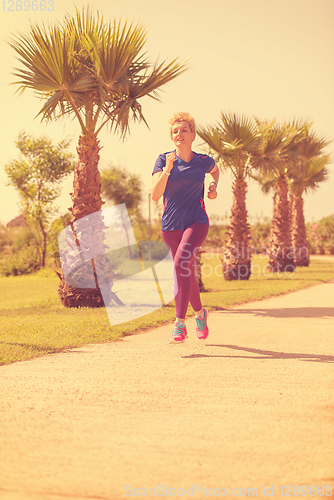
pixel 51 70
pixel 113 51
pixel 279 148
pixel 149 82
pixel 90 68
pixel 272 141
pixel 310 174
pixel 311 145
pixel 214 140
pixel 241 130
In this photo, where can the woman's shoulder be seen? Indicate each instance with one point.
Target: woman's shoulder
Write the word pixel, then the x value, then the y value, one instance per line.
pixel 160 162
pixel 162 156
pixel 203 156
pixel 205 159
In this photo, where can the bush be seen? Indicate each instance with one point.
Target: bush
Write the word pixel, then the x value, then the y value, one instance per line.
pixel 158 247
pixel 259 235
pixel 14 237
pixel 312 237
pixel 158 250
pixel 56 227
pixel 321 236
pixel 141 230
pixel 216 236
pixel 17 262
pixel 18 252
pixel 3 237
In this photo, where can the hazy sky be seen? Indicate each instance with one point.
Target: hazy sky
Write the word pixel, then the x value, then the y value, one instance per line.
pixel 268 58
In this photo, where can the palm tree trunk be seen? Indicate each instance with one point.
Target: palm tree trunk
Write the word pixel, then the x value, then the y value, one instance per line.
pixel 237 260
pixel 298 233
pixel 281 255
pixel 291 198
pixel 89 237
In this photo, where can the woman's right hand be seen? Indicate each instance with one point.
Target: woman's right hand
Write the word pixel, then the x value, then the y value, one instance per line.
pixel 170 158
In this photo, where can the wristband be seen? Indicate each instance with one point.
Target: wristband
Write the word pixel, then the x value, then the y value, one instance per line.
pixel 214 182
pixel 165 171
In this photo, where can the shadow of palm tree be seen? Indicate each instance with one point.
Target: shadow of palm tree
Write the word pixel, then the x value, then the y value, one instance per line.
pixel 263 354
pixel 288 312
pixel 34 347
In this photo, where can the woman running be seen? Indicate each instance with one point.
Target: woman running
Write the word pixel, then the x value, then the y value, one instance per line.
pixel 179 176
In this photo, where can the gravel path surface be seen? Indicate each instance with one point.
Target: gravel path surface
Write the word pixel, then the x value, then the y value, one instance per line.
pixel 252 408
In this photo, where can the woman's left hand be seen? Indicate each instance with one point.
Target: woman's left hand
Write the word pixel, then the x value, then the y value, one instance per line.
pixel 212 194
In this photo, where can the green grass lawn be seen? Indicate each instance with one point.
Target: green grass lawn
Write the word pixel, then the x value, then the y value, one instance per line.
pixel 33 322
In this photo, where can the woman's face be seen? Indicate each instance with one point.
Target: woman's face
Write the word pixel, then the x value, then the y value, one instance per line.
pixel 182 134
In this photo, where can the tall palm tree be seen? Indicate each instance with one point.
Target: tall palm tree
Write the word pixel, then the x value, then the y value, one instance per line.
pixel 95 71
pixel 307 178
pixel 235 141
pixel 273 175
pixel 310 170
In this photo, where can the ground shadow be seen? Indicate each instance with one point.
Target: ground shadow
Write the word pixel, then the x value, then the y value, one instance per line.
pixel 30 346
pixel 263 354
pixel 288 312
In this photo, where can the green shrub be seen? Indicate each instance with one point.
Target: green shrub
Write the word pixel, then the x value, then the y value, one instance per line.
pixel 56 227
pixel 157 249
pixel 15 237
pixel 321 236
pixel 216 236
pixel 17 262
pixel 325 231
pixel 259 235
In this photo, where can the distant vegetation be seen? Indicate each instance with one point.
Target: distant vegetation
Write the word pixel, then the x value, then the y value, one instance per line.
pixel 19 254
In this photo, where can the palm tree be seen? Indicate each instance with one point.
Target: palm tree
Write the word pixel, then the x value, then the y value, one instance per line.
pixel 306 179
pixel 235 141
pixel 273 175
pixel 310 170
pixel 95 71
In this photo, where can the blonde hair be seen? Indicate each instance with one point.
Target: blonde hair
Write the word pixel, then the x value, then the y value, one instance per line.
pixel 182 116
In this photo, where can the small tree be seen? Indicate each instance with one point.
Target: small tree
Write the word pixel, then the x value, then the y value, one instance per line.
pixel 325 234
pixel 121 187
pixel 37 176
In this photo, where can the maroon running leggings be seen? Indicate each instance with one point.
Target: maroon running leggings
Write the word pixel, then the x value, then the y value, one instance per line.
pixel 183 246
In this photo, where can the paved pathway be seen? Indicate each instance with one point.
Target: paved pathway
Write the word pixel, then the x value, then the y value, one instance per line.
pixel 249 412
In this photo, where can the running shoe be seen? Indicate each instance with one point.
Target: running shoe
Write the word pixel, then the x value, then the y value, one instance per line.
pixel 179 333
pixel 202 329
